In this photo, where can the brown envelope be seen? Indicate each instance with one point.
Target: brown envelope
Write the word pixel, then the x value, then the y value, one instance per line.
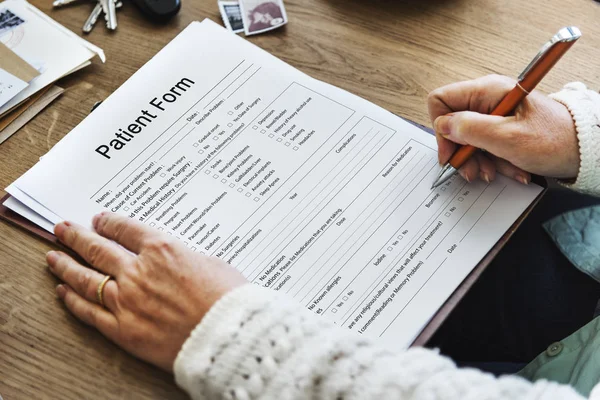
pixel 15 65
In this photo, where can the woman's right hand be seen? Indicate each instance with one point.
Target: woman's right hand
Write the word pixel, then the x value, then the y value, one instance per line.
pixel 539 138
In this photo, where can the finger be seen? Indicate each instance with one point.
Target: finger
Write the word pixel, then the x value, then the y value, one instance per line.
pixel 507 169
pixel 128 232
pixel 445 148
pixel 487 168
pixel 83 280
pixel 470 169
pixel 89 313
pixel 481 95
pixel 98 251
pixel 494 133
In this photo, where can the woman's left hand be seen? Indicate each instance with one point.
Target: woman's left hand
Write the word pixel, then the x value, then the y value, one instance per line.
pixel 159 292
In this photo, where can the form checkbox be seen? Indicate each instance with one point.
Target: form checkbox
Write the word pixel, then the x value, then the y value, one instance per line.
pixel 200 151
pixel 169 233
pixel 248 194
pixel 160 228
pixel 215 176
pixel 255 127
pixel 224 180
pixel 296 148
pixel 400 237
pixel 443 188
pixel 230 113
pixel 448 214
pixel 152 224
pixel 216 138
pixel 390 248
pixel 193 248
pixel 230 124
pixel 256 199
pixel 195 144
pixel 334 310
pixel 345 298
pixel 262 131
pixel 231 185
pixel 460 199
pixel 207 171
pixel 186 243
pixel 163 175
pixel 125 208
pixel 271 135
pixel 287 143
pixel 240 190
pixel 279 139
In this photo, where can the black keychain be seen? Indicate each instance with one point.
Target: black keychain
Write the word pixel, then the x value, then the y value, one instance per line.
pixel 159 10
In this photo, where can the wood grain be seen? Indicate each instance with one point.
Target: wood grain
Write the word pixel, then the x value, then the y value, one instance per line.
pixel 389 52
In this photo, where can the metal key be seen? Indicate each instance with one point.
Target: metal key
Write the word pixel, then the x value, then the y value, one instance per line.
pixel 60 3
pixel 110 13
pixel 93 18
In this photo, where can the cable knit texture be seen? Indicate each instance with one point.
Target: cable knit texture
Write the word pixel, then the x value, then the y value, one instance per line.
pixel 584 106
pixel 258 344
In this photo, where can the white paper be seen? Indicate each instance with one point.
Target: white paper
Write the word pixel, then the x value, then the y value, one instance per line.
pixel 10 86
pixel 57 50
pixel 303 187
pixel 28 213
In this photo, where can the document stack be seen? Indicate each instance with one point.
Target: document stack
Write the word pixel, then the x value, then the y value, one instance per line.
pixel 35 51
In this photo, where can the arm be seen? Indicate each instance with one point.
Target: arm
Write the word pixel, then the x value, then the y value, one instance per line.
pixel 257 344
pixel 584 106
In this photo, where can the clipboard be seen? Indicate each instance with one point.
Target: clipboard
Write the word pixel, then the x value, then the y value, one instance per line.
pixel 436 321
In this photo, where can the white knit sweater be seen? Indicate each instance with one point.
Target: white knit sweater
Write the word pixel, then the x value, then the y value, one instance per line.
pixel 257 344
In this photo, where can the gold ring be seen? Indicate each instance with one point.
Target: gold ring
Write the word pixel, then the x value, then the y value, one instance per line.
pixel 100 289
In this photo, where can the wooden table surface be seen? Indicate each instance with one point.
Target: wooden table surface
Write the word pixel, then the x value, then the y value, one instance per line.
pixel 389 52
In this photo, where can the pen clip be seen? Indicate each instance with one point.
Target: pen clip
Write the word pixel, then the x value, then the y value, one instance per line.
pixel 567 34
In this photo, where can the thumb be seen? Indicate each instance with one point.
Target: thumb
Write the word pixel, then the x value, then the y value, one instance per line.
pixel 490 132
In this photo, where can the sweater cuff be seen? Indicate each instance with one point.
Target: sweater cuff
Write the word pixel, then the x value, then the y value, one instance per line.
pixel 222 322
pixel 584 106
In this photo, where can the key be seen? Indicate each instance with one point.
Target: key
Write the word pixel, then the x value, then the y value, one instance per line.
pixel 61 3
pixel 93 18
pixel 110 13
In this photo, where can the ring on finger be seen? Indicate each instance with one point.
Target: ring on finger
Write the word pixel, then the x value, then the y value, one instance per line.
pixel 100 290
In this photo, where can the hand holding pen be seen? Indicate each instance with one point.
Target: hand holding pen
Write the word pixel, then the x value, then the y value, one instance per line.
pixel 539 137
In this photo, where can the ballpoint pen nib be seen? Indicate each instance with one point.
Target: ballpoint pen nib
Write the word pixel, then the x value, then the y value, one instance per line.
pixel 445 173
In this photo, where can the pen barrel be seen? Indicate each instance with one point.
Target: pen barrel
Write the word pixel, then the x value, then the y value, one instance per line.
pixel 462 155
pixel 545 64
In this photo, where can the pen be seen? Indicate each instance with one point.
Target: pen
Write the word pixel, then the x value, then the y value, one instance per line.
pixel 541 64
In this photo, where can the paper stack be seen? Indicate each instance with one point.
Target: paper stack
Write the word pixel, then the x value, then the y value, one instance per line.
pixel 35 51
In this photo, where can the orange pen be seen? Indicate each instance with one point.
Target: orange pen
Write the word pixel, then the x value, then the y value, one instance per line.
pixel 533 74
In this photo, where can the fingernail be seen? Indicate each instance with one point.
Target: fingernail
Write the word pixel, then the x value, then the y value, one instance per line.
pixel 51 258
pixel 522 179
pixel 61 228
pixel 442 125
pixel 61 291
pixel 486 178
pixel 95 220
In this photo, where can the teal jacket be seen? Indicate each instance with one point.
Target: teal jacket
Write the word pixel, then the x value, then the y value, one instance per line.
pixel 576 359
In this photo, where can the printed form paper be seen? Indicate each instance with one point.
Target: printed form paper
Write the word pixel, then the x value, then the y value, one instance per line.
pixel 302 186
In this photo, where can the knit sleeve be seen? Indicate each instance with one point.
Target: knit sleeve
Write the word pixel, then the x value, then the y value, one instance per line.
pixel 584 106
pixel 257 344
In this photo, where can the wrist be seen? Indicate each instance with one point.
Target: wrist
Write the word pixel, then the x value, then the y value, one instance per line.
pixel 583 106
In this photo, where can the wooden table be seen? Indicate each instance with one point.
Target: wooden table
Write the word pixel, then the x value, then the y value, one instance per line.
pixel 389 52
